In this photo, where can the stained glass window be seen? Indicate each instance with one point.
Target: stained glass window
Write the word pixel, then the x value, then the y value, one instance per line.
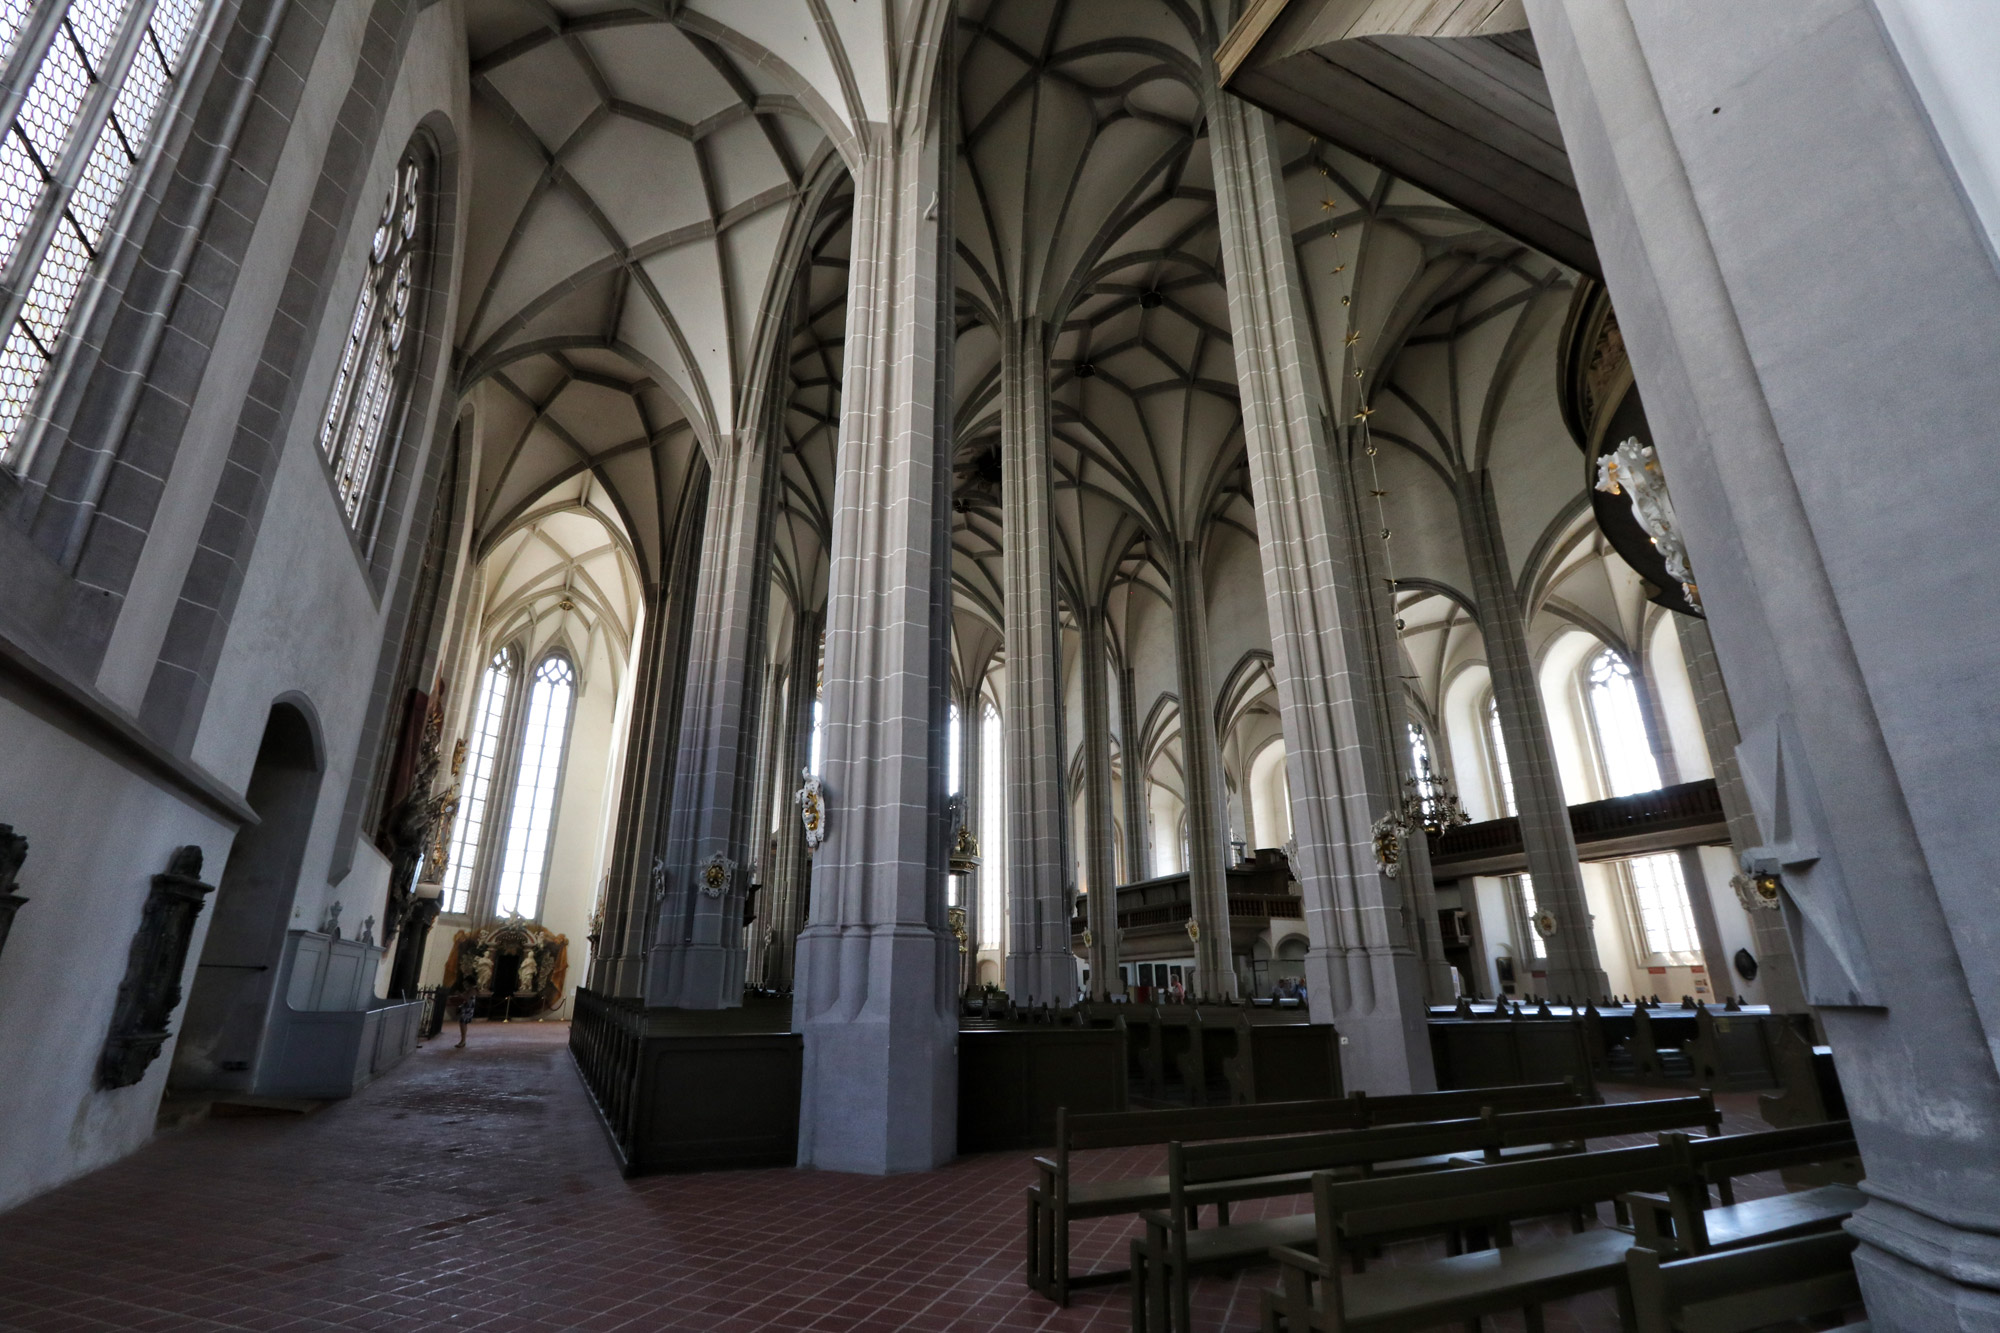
pixel 531 818
pixel 489 722
pixel 1629 765
pixel 1420 767
pixel 95 73
pixel 375 361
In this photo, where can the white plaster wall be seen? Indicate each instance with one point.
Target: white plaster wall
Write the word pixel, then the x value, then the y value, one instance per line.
pixel 1575 753
pixel 1606 900
pixel 1496 928
pixel 305 622
pixel 97 833
pixel 1668 676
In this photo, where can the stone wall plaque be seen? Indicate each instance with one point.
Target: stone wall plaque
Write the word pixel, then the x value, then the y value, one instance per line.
pixel 151 990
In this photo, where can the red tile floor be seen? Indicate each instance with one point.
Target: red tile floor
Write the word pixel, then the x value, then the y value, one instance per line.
pixel 474 1189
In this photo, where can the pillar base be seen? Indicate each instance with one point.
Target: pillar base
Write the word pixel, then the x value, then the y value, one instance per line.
pixel 695 976
pixel 1376 1001
pixel 880 1092
pixel 1041 978
pixel 1923 1275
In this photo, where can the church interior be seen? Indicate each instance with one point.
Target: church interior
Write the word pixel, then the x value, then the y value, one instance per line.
pixel 1334 646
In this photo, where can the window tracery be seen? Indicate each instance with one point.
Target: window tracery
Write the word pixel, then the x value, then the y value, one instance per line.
pixel 376 361
pixel 93 75
pixel 1496 746
pixel 1660 897
pixel 489 722
pixel 538 767
pixel 1624 748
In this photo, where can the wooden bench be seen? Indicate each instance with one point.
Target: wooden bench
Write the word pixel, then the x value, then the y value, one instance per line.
pixel 1218 1174
pixel 1055 1200
pixel 1279 1061
pixel 1740 1290
pixel 1316 1291
pixel 1681 1221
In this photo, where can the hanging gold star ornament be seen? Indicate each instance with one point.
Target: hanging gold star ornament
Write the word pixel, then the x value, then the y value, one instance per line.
pixel 1328 205
pixel 1339 268
pixel 1364 413
pixel 1353 338
pixel 1347 300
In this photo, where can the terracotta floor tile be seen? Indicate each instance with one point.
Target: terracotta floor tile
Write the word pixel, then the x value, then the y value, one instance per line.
pixel 473 1189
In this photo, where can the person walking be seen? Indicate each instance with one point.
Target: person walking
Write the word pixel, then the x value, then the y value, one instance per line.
pixel 467 1001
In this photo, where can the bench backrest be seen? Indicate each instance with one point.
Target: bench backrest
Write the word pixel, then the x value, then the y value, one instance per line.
pixel 1207 1163
pixel 1125 1129
pixel 1730 1155
pixel 1360 1209
pixel 1607 1121
pixel 1734 1291
pixel 1405 1107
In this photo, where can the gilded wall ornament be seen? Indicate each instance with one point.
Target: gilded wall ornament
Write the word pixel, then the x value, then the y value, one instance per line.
pixel 1757 893
pixel 718 875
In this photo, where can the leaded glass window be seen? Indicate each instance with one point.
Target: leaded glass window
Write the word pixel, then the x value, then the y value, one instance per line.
pixel 1622 741
pixel 1496 743
pixel 1660 892
pixel 1537 946
pixel 489 724
pixel 376 360
pixel 84 81
pixel 532 816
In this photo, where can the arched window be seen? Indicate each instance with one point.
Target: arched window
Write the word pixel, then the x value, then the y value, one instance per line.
pixel 954 753
pixel 532 811
pixel 992 830
pixel 1622 742
pixel 1420 766
pixel 376 362
pixel 1496 745
pixel 95 74
pixel 489 724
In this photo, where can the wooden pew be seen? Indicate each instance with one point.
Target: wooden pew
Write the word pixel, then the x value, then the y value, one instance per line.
pixel 1478 1052
pixel 1055 1200
pixel 1316 1294
pixel 1280 1062
pixel 1349 1217
pixel 1219 1174
pixel 1740 1290
pixel 1681 1221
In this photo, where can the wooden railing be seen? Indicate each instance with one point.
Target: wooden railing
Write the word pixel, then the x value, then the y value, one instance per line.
pixel 604 1036
pixel 1688 805
pixel 1258 890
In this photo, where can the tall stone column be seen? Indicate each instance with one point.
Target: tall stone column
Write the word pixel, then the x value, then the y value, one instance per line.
pixel 1201 759
pixel 1134 781
pixel 645 794
pixel 762 854
pixel 1362 972
pixel 1101 857
pixel 1041 966
pixel 1833 483
pixel 1777 968
pixel 697 958
pixel 785 884
pixel 876 991
pixel 971 785
pixel 1573 968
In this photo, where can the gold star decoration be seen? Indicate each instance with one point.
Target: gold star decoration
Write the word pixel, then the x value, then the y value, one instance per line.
pixel 1353 338
pixel 1364 413
pixel 1378 494
pixel 1339 268
pixel 1357 372
pixel 1347 300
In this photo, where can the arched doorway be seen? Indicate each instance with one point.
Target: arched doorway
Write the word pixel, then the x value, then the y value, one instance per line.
pixel 224 1024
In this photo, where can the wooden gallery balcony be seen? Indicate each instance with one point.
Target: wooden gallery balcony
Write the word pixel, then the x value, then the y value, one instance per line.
pixel 1686 815
pixel 1153 913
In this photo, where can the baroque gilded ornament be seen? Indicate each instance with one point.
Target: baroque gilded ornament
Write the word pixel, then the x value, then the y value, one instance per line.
pixel 718 873
pixel 1633 470
pixel 1757 893
pixel 955 919
pixel 811 801
pixel 1545 924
